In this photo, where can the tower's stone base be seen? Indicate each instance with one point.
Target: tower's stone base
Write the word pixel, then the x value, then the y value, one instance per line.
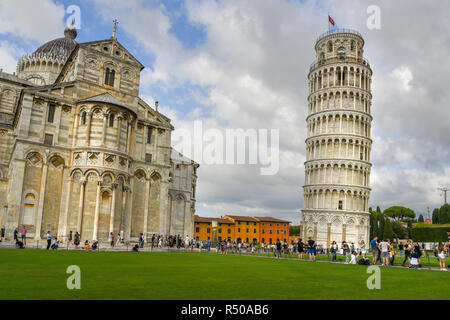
pixel 326 226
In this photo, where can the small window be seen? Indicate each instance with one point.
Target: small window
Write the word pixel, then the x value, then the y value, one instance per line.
pixel 51 113
pixel 254 230
pixel 220 230
pixel 197 229
pixel 109 77
pixel 83 118
pixel 360 156
pixel 48 139
pixel 111 120
pixel 247 230
pixel 208 230
pixel 340 205
pixel 263 231
pixel 229 230
pixel 239 229
pixel 148 158
pixel 149 134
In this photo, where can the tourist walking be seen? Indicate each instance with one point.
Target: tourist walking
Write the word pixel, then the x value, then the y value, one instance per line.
pixel 111 239
pixel 119 239
pixel 76 240
pixel 400 249
pixel 16 235
pixel 300 247
pixel 142 240
pixel 24 235
pixel 346 250
pixel 311 249
pixel 392 253
pixel 278 249
pixel 2 233
pixel 374 247
pixel 441 256
pixel 333 250
pixel 69 241
pixel 49 240
pixel 407 252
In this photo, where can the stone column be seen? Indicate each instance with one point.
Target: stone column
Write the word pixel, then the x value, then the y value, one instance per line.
pixel 81 204
pixel 328 235
pixel 129 135
pixel 357 234
pixel 65 204
pixel 41 202
pixel 97 211
pixel 119 119
pixel 124 208
pixel 75 130
pixel 105 122
pixel 58 116
pixel 14 197
pixel 88 127
pixel 113 207
pixel 344 230
pixel 315 232
pixel 147 193
pixel 129 211
pixel 163 202
pixel 155 147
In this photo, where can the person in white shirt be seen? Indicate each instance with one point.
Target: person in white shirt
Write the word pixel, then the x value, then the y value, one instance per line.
pixel 384 246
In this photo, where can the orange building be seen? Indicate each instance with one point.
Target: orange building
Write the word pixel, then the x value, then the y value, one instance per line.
pixel 204 226
pixel 246 229
pixel 272 229
pixel 242 229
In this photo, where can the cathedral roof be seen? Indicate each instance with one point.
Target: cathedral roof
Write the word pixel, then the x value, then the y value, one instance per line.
pixel 62 47
pixel 106 98
pixel 178 157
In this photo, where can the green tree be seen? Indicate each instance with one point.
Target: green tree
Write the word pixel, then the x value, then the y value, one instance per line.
pixel 294 231
pixel 399 230
pixel 387 231
pixel 380 221
pixel 421 219
pixel 399 213
pixel 435 216
pixel 378 209
pixel 444 214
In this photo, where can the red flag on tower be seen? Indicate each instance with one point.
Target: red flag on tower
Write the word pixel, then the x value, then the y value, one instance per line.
pixel 330 19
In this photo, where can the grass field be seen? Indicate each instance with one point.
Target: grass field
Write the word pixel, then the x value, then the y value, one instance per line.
pixel 39 274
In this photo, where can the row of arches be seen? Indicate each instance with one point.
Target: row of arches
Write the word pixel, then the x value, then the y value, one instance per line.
pixel 40 62
pixel 342 174
pixel 339 99
pixel 336 123
pixel 338 148
pixel 336 199
pixel 340 76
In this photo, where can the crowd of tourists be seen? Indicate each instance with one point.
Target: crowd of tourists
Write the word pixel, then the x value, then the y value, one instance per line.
pixel 383 251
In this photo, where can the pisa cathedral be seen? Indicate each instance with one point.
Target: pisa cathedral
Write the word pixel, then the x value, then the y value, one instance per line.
pixel 81 151
pixel 338 144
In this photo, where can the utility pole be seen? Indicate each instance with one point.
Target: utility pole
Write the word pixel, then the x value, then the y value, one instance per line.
pixel 428 214
pixel 444 191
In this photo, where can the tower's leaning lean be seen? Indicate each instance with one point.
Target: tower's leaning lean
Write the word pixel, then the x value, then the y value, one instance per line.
pixel 338 143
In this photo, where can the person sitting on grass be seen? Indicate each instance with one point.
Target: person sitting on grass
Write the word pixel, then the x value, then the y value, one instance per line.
pixel 94 245
pixel 136 248
pixel 19 244
pixel 87 246
pixel 55 245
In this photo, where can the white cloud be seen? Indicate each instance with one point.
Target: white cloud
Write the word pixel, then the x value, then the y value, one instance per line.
pixel 32 20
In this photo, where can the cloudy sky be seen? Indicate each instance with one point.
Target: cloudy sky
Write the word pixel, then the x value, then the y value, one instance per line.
pixel 244 64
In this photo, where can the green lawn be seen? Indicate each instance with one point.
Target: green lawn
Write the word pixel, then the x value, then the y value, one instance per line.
pixel 39 274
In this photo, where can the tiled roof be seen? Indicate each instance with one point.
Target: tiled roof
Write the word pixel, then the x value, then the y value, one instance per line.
pixel 209 220
pixel 270 219
pixel 242 218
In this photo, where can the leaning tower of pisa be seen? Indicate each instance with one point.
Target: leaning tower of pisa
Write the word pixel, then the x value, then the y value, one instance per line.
pixel 338 144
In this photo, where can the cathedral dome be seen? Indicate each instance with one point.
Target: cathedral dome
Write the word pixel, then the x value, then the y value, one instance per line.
pixel 61 46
